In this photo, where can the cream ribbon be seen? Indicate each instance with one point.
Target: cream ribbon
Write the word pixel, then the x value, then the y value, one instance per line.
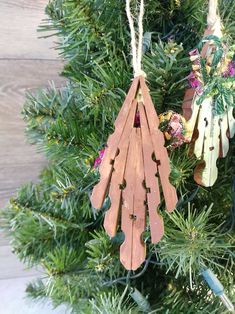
pixel 213 18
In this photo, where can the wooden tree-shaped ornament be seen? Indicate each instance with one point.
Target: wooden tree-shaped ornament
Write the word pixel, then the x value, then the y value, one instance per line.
pixel 210 131
pixel 134 164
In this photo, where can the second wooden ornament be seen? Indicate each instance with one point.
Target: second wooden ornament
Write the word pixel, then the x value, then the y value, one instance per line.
pixel 208 105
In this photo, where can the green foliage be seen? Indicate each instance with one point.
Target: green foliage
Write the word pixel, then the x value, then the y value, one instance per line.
pixel 113 303
pixel 227 14
pixel 182 166
pixel 193 240
pixel 52 223
pixel 182 299
pixel 216 83
pixel 167 67
pixel 73 289
pixel 103 255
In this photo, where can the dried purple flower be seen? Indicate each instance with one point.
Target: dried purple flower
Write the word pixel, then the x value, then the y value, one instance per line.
pixel 193 81
pixel 194 52
pixel 231 68
pixel 98 160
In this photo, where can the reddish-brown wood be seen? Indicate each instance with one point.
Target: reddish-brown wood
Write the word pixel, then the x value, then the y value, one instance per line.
pixel 129 172
pixel 128 205
pixel 159 149
pixel 106 167
pixel 111 217
pixel 138 245
pixel 132 251
pixel 187 103
pixel 208 31
pixel 151 180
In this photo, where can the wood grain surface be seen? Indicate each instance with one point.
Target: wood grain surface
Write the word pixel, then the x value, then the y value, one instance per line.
pixel 19 162
pixel 26 64
pixel 19 36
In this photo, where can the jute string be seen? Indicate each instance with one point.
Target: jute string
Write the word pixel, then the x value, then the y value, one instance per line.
pixel 136 39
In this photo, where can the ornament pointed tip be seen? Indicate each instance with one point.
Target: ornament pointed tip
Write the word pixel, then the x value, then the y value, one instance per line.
pixel 129 266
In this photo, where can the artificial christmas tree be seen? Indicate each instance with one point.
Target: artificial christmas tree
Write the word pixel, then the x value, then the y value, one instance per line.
pixel 52 223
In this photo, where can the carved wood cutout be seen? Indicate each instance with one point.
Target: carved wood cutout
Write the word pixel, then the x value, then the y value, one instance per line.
pixel 151 180
pixel 117 180
pixel 128 175
pixel 106 166
pixel 159 149
pixel 132 251
pixel 209 133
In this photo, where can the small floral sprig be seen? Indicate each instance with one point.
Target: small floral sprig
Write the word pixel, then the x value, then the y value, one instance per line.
pixel 99 159
pixel 174 128
pixel 195 76
pixel 229 70
pixel 214 75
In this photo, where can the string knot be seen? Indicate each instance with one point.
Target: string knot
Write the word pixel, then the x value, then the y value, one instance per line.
pixel 140 73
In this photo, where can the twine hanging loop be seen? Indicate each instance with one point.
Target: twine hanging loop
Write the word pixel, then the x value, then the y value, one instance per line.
pixel 213 18
pixel 136 40
pixel 212 15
